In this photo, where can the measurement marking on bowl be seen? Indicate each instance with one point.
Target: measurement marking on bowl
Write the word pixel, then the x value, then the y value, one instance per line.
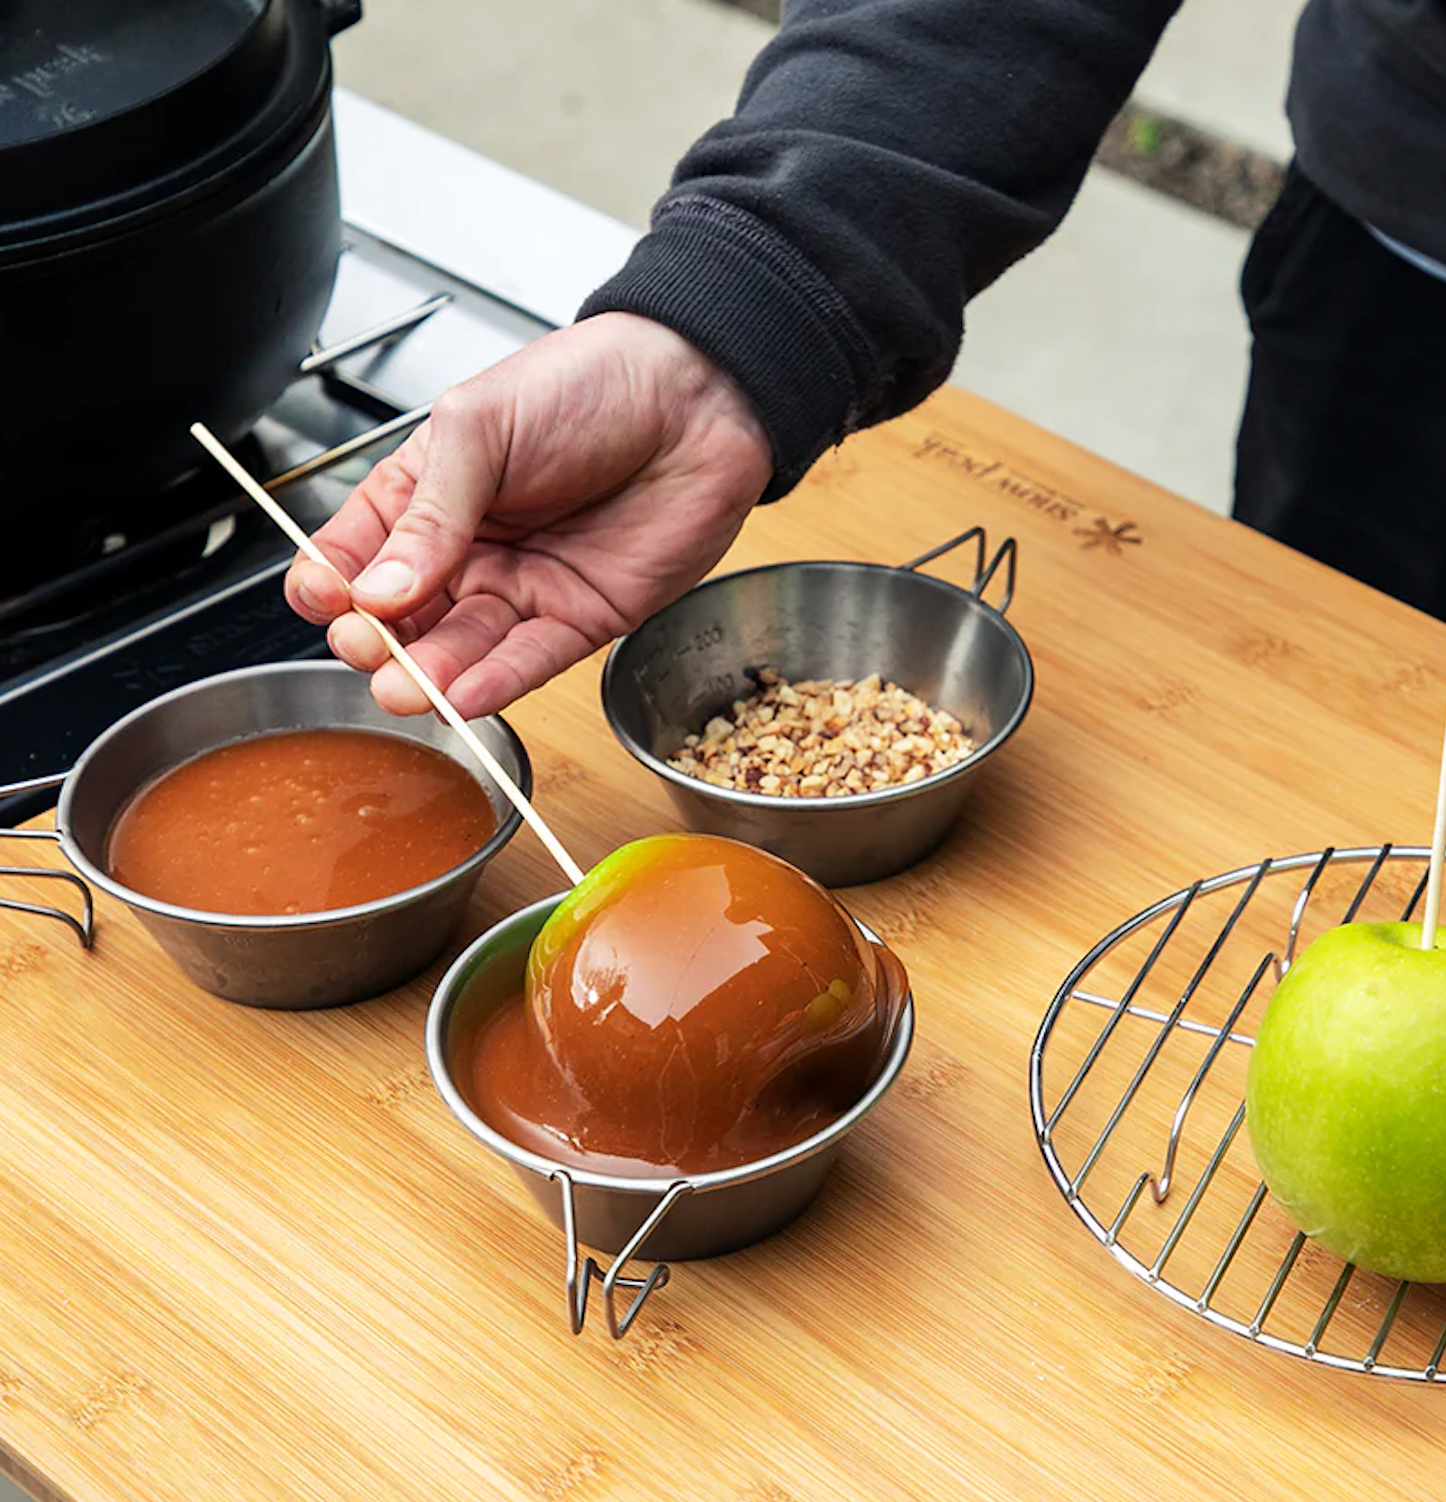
pixel 709 636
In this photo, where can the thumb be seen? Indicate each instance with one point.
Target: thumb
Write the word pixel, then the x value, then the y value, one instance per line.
pixel 466 455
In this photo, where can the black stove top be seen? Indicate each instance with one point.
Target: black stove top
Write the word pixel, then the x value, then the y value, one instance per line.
pixel 79 650
pixel 56 591
pixel 189 584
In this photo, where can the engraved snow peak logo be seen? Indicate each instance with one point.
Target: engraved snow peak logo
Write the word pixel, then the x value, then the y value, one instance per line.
pixel 1093 530
pixel 1112 539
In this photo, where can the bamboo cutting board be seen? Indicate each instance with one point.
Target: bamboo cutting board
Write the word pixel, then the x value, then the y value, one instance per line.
pixel 249 1255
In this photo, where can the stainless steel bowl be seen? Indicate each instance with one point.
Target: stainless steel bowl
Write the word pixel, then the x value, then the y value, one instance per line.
pixel 703 1215
pixel 826 620
pixel 289 961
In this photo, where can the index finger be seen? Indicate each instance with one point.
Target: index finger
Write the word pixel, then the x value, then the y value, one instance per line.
pixel 354 536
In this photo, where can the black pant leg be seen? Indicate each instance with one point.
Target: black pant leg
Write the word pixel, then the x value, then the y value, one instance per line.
pixel 1342 446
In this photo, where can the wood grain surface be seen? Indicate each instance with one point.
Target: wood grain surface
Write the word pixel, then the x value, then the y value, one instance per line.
pixel 247 1255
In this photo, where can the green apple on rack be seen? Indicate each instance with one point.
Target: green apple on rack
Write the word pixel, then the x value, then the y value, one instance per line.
pixel 1346 1097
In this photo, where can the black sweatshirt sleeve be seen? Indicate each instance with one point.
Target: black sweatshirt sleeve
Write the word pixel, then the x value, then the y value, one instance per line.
pixel 887 160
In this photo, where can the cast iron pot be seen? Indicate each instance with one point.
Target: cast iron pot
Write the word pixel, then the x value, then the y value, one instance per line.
pixel 169 232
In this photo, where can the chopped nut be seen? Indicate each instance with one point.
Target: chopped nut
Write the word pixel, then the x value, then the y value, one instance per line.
pixel 823 738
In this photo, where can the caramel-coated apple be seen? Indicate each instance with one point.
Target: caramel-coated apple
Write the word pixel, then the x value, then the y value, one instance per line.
pixel 693 1004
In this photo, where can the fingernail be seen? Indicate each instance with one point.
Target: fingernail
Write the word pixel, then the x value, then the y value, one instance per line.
pixel 386 581
pixel 307 598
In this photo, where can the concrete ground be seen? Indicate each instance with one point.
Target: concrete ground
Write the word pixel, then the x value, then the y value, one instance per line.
pixel 1124 333
pixel 1223 66
pixel 597 98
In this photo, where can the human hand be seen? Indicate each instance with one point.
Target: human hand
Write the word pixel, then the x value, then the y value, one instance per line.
pixel 547 505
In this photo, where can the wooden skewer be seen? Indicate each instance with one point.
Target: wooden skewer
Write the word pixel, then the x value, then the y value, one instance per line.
pixel 439 701
pixel 1438 844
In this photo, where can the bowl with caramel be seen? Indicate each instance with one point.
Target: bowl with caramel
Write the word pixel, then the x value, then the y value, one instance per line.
pixel 672 1054
pixel 285 841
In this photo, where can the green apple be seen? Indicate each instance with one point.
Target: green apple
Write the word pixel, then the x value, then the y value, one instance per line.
pixel 1346 1098
pixel 600 886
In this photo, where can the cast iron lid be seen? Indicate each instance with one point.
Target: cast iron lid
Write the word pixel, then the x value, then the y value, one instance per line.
pixel 109 108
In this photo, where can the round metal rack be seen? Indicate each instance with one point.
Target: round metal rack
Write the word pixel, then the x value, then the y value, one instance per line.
pixel 1136 1083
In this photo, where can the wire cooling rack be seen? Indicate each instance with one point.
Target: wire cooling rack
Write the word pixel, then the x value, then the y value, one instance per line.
pixel 1137 1088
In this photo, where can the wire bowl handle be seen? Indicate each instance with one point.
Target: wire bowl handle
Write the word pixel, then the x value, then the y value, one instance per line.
pixel 582 1271
pixel 1005 556
pixel 82 927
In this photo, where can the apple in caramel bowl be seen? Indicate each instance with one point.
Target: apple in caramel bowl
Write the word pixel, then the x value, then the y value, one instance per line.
pixel 287 842
pixel 671 1055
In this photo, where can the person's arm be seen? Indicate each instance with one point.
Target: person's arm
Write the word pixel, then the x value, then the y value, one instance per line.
pixel 888 160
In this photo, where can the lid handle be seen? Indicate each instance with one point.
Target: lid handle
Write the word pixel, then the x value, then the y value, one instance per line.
pixel 337 15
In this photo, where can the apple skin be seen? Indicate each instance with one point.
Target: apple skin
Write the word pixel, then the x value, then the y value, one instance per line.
pixel 1346 1098
pixel 598 887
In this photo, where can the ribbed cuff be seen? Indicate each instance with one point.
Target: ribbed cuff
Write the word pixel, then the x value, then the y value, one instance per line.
pixel 761 310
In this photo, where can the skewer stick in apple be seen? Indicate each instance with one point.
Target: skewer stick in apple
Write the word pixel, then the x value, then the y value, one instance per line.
pixel 1438 843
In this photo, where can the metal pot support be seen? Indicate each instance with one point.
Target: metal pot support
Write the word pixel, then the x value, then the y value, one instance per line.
pixel 82 927
pixel 1153 1099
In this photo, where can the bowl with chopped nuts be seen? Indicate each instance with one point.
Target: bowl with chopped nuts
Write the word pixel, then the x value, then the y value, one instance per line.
pixel 833 713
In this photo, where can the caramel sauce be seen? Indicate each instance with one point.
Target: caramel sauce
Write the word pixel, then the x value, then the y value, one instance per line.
pixel 302 821
pixel 717 1008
